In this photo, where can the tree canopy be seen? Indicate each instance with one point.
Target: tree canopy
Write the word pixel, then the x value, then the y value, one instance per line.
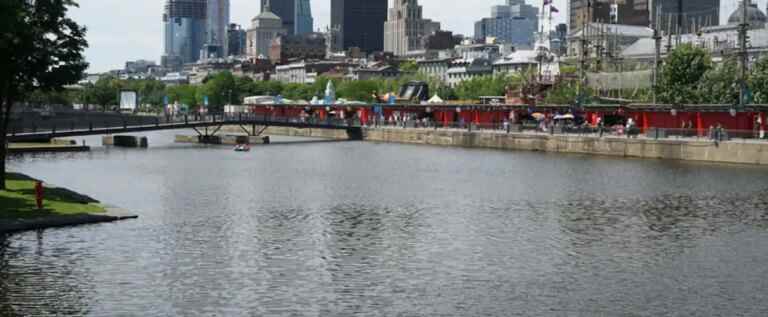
pixel 681 75
pixel 41 49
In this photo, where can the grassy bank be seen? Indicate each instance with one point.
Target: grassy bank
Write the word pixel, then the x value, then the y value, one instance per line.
pixel 18 201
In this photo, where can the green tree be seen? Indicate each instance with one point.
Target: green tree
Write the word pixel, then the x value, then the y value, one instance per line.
pixel 476 87
pixel 151 92
pixel 183 94
pixel 357 90
pixel 563 93
pixel 409 66
pixel 219 90
pixel 40 49
pixel 41 97
pixel 104 93
pixel 682 73
pixel 720 84
pixel 758 80
pixel 244 87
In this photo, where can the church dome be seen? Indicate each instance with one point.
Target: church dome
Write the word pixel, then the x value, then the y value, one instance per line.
pixel 757 19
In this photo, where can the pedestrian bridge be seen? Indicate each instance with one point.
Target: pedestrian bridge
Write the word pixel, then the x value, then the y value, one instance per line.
pixel 204 125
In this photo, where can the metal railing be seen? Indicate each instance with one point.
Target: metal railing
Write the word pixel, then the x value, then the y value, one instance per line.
pixel 530 127
pixel 714 134
pixel 170 121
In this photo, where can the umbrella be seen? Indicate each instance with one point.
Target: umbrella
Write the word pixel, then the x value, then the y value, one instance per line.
pixel 564 117
pixel 538 116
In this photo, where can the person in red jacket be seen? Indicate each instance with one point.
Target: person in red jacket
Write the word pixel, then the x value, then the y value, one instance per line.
pixel 39 194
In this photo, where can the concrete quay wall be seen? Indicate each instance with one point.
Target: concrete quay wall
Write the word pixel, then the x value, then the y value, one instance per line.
pixel 297 132
pixel 739 152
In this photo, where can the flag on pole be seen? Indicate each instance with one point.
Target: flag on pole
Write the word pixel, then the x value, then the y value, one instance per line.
pixel 553 9
pixel 546 2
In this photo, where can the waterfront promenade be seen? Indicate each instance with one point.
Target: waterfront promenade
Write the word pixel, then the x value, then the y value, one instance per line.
pixel 687 148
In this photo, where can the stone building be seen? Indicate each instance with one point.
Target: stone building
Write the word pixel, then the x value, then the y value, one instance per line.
pixel 757 19
pixel 308 72
pixel 440 40
pixel 264 29
pixel 406 28
pixel 310 46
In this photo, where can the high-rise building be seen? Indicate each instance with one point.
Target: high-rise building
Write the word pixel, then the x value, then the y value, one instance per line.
pixel 265 27
pixel 361 23
pixel 304 21
pixel 514 23
pixel 296 15
pixel 183 32
pixel 217 20
pixel 628 12
pixel 405 28
pixel 685 16
pixel 236 40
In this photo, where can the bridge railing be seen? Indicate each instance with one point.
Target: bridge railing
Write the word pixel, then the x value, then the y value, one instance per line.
pixel 117 123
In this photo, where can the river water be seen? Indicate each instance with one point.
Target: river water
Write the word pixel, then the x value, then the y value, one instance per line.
pixel 366 229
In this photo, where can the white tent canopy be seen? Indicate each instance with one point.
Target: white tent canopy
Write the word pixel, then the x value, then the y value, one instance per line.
pixel 435 99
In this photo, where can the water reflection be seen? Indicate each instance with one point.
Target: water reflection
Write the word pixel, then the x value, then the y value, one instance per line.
pixel 343 229
pixel 45 284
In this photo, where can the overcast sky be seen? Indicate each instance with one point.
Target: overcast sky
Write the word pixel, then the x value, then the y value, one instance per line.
pixel 122 30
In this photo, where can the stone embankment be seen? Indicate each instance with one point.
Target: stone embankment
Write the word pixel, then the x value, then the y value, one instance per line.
pixel 223 139
pixel 735 151
pixel 297 132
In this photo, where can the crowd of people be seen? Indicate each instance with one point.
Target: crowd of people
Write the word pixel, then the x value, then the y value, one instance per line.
pixel 545 123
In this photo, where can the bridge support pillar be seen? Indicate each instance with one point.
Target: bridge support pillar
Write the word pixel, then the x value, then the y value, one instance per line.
pixel 129 141
pixel 355 134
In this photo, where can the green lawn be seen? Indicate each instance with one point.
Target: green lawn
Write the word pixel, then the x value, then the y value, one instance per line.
pixel 18 202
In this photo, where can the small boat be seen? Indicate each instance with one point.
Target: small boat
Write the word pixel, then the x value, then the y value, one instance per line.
pixel 242 148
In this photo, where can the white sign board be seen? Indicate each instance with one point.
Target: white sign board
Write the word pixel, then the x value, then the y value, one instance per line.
pixel 128 100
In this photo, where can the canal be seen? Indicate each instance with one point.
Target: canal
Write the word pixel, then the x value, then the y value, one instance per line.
pixel 356 228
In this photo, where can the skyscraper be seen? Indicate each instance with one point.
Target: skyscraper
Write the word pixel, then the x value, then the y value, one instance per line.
pixel 685 15
pixel 296 15
pixel 236 40
pixel 361 23
pixel 217 20
pixel 304 21
pixel 513 23
pixel 629 12
pixel 184 24
pixel 405 28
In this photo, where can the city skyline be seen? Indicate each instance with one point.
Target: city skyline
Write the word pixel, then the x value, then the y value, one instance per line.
pixel 141 30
